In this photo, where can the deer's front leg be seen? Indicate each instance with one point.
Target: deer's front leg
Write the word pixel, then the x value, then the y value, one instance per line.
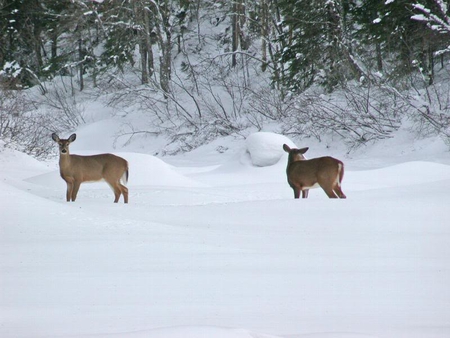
pixel 296 192
pixel 69 189
pixel 75 188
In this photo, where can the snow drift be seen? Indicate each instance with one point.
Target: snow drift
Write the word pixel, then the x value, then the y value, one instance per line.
pixel 225 248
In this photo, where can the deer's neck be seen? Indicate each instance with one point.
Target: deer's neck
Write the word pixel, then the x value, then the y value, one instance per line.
pixel 289 163
pixel 292 159
pixel 64 161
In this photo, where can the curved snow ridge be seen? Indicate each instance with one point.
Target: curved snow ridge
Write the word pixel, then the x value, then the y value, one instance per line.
pixel 189 332
pixel 219 332
pixel 19 165
pixel 334 335
pixel 150 170
pixel 408 173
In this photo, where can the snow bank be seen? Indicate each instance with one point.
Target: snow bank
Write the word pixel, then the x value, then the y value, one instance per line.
pixel 148 170
pixel 266 148
pixel 238 253
pixel 191 332
pixel 404 174
pixel 19 165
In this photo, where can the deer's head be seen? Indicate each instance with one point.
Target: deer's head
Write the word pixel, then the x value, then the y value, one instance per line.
pixel 294 153
pixel 64 143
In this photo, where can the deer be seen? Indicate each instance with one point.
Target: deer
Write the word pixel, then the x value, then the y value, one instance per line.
pixel 302 174
pixel 76 169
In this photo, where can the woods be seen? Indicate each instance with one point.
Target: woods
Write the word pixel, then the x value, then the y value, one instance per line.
pixel 200 69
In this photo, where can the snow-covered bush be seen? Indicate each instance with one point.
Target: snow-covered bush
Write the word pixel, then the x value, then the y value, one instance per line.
pixel 357 115
pixel 23 126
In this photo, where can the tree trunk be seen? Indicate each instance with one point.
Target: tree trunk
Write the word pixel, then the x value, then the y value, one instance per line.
pixel 148 44
pixel 141 17
pixel 234 32
pixel 54 47
pixel 264 33
pixel 144 60
pixel 163 29
pixel 166 64
pixel 379 57
pixel 80 63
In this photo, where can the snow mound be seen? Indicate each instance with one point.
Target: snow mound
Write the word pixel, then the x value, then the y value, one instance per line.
pixel 404 174
pixel 17 164
pixel 150 170
pixel 266 148
pixel 191 332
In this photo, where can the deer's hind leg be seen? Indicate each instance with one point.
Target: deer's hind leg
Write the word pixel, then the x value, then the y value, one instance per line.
pixel 124 191
pixel 117 192
pixel 119 189
pixel 338 191
pixel 330 184
pixel 330 193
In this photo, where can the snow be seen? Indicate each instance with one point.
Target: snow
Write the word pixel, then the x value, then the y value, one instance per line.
pixel 421 8
pixel 195 332
pixel 215 245
pixel 419 17
pixel 265 148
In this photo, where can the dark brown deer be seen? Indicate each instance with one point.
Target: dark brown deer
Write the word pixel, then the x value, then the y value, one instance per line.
pixel 76 169
pixel 302 174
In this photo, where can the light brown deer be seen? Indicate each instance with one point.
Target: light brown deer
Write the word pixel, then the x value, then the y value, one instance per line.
pixel 76 169
pixel 302 174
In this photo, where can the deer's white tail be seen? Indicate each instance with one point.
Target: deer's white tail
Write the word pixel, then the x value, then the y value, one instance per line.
pixel 125 176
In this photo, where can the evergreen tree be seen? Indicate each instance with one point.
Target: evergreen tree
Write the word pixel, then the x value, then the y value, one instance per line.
pixel 57 21
pixel 22 23
pixel 316 41
pixel 399 42
pixel 122 33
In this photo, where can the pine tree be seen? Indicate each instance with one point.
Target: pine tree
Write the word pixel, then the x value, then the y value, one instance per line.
pixel 21 42
pixel 399 42
pixel 316 41
pixel 122 34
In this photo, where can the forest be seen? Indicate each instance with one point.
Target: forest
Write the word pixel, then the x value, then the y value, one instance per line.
pixel 353 70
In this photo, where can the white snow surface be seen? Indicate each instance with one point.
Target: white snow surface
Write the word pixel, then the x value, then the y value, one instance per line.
pixel 215 246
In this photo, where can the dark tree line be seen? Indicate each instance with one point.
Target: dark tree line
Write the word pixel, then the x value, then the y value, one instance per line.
pixel 336 41
pixel 302 41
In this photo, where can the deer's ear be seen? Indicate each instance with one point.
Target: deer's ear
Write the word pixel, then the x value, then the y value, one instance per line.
pixel 72 137
pixel 55 137
pixel 303 150
pixel 286 148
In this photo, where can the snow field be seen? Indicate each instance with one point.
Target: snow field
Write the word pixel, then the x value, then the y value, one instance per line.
pixel 224 251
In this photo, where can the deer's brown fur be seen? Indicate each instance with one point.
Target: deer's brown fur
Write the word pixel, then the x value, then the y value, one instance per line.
pixel 76 169
pixel 302 174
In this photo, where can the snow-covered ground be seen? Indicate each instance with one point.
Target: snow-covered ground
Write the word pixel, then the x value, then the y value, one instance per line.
pixel 213 246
